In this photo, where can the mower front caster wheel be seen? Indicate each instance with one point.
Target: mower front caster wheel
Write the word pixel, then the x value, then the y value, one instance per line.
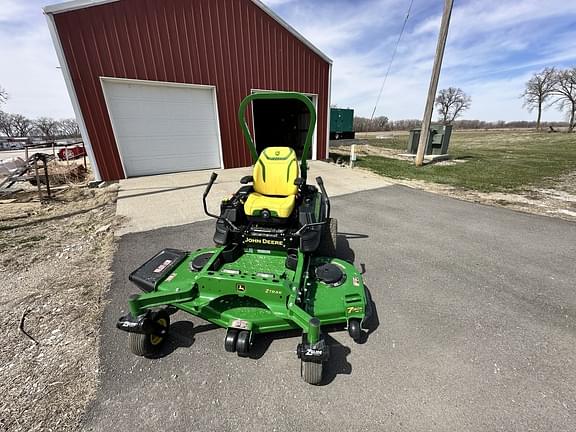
pixel 148 345
pixel 311 372
pixel 354 330
pixel 230 340
pixel 243 343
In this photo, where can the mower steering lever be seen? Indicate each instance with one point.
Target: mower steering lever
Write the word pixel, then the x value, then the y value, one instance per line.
pixel 323 189
pixel 213 178
pixel 205 194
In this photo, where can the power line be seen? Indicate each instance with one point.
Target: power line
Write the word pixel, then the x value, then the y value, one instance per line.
pixel 392 58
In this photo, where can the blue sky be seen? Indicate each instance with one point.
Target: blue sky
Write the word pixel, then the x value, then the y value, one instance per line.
pixel 493 48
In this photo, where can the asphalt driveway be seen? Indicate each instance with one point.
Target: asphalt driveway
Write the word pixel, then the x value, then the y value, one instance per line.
pixel 477 313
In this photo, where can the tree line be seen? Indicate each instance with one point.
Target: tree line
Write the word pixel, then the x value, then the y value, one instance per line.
pixel 18 125
pixel 362 124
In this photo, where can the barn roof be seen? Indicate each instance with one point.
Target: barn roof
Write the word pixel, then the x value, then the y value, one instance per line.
pixel 82 4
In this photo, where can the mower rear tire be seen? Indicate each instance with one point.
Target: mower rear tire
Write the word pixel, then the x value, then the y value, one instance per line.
pixel 148 345
pixel 329 238
pixel 230 340
pixel 311 372
pixel 243 343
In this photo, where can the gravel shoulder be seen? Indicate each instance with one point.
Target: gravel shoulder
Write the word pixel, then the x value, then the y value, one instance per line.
pixel 558 200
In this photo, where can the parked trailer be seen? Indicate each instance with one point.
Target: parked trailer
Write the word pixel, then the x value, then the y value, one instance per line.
pixel 341 123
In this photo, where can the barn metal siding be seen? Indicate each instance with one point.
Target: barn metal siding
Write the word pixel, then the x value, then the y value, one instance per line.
pixel 231 44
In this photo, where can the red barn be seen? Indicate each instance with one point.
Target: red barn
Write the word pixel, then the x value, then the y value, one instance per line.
pixel 156 84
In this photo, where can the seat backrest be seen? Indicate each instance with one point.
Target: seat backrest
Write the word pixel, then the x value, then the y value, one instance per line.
pixel 275 172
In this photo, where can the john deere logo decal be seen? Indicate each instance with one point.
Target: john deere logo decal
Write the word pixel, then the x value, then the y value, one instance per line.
pixel 263 241
pixel 240 287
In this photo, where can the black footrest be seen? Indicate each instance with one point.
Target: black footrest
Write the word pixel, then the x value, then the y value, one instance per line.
pixel 149 275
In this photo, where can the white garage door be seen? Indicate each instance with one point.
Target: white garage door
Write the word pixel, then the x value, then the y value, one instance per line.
pixel 163 128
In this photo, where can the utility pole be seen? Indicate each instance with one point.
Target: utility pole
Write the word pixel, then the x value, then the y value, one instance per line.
pixel 425 133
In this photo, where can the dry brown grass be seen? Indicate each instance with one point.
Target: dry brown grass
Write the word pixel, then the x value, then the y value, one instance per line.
pixel 54 268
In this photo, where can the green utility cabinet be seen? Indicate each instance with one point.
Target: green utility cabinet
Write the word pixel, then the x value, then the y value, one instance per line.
pixel 341 123
pixel 437 141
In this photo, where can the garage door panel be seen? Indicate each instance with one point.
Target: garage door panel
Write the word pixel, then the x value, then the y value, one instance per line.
pixel 167 163
pixel 156 91
pixel 159 147
pixel 136 108
pixel 177 157
pixel 180 110
pixel 163 128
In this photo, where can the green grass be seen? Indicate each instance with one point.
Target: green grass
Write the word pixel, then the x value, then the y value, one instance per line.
pixel 393 142
pixel 496 160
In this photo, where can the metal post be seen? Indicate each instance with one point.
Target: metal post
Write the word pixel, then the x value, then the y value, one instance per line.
pixel 45 161
pixel 37 178
pixel 425 133
pixel 313 330
pixel 352 155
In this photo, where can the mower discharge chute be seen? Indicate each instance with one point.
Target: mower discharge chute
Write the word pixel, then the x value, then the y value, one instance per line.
pixel 273 267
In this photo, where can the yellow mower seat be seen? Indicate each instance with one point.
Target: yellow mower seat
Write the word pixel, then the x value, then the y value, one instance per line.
pixel 274 189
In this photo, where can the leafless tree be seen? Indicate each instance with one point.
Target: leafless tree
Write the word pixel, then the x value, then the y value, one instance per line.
pixel 538 89
pixel 565 94
pixel 3 95
pixel 451 103
pixel 48 127
pixel 21 125
pixel 6 126
pixel 363 124
pixel 69 127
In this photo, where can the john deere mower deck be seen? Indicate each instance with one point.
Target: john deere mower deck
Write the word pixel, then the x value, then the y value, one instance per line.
pixel 272 269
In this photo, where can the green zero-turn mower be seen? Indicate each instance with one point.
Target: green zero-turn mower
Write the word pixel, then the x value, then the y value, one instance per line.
pixel 272 269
